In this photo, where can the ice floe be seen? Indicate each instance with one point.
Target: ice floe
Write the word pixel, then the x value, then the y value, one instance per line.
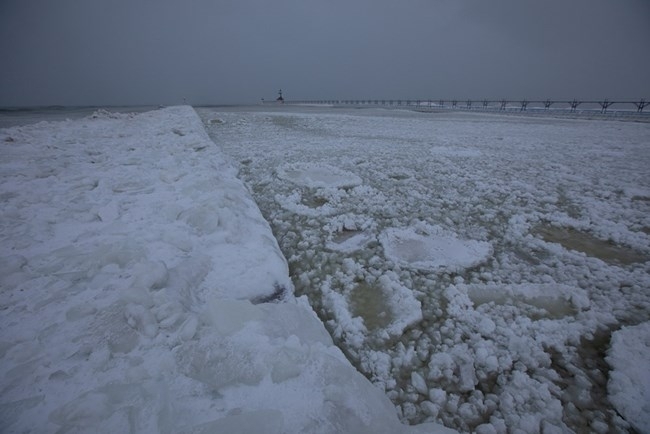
pixel 315 175
pixel 434 249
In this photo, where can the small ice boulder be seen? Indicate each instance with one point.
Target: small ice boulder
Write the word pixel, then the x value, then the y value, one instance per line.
pixel 419 383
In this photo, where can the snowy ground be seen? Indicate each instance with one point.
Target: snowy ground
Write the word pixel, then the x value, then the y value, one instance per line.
pixel 142 291
pixel 480 269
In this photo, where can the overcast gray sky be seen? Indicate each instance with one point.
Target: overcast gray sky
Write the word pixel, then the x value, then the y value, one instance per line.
pixel 123 52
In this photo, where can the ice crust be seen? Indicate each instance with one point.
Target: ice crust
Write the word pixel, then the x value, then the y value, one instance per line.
pixel 432 273
pixel 142 291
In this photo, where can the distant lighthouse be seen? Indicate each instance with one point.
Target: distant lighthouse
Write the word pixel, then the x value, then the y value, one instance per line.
pixel 279 98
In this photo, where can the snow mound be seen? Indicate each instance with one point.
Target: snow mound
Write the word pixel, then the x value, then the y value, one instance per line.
pixel 629 383
pixel 315 175
pixel 434 249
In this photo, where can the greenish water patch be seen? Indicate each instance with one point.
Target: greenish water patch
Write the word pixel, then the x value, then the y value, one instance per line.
pixel 399 176
pixel 369 303
pixel 314 201
pixel 344 235
pixel 572 239
pixel 572 209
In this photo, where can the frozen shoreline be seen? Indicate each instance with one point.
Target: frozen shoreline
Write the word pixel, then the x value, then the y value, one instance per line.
pixel 134 269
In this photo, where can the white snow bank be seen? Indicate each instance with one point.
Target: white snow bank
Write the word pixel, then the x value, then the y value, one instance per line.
pixel 130 262
pixel 434 249
pixel 629 382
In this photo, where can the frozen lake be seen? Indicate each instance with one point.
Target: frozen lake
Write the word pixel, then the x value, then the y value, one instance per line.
pixel 473 266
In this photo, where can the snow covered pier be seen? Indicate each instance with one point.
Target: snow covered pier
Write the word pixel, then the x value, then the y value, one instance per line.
pixel 142 291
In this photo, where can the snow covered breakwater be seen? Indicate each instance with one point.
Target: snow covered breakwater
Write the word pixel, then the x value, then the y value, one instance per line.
pixel 135 273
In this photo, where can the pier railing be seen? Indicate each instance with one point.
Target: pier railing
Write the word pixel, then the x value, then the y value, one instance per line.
pixel 572 106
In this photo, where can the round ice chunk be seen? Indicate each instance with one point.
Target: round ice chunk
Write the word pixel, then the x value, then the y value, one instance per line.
pixel 315 175
pixel 436 249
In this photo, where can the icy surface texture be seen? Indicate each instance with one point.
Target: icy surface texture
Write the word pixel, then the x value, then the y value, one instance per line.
pixel 472 265
pixel 143 292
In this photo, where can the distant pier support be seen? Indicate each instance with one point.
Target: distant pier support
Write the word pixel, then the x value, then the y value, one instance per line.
pixel 469 104
pixel 640 105
pixel 504 103
pixel 574 105
pixel 604 105
pixel 547 104
pixel 524 104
